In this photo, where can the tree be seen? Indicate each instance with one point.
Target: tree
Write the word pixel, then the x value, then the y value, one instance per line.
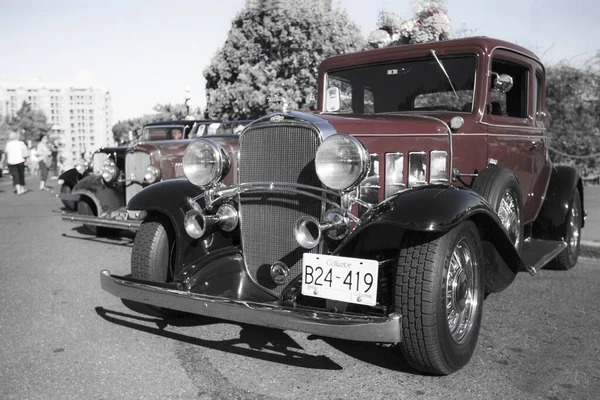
pixel 430 23
pixel 30 123
pixel 274 48
pixel 573 107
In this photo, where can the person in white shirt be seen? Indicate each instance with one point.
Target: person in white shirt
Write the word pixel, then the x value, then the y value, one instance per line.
pixel 15 154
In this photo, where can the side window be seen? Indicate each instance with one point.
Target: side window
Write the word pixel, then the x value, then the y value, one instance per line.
pixel 512 103
pixel 538 96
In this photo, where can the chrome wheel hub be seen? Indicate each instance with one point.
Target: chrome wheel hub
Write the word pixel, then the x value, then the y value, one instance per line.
pixel 510 218
pixel 461 295
pixel 574 229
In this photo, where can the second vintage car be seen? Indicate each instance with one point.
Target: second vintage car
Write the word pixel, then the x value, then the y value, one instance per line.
pixel 420 186
pixel 100 196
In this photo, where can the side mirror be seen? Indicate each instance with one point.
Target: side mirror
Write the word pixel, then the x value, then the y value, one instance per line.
pixel 333 102
pixel 311 100
pixel 502 83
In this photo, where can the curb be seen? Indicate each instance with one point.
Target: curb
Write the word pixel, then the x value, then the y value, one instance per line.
pixel 589 249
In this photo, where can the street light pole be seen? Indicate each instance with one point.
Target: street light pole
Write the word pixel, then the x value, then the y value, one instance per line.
pixel 188 97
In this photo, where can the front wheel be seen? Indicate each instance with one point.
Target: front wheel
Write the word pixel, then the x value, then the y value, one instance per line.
pixel 66 189
pixel 439 293
pixel 152 255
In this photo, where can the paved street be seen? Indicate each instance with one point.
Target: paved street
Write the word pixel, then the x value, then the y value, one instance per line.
pixel 65 338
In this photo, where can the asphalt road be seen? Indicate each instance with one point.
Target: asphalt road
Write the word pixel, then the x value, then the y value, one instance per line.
pixel 65 338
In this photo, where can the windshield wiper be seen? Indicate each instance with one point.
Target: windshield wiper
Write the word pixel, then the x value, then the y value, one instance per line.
pixel 444 70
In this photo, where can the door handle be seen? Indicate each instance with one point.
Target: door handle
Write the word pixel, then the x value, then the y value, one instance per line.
pixel 534 144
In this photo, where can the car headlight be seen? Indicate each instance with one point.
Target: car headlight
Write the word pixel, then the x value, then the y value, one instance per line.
pixel 205 163
pixel 109 171
pixel 152 174
pixel 341 162
pixel 81 166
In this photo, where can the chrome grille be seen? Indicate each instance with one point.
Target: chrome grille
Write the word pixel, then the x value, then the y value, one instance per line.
pixel 276 153
pixel 98 161
pixel 135 167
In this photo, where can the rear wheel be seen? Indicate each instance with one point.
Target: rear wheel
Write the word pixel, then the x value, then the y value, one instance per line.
pixel 500 187
pixel 439 293
pixel 569 256
pixel 66 189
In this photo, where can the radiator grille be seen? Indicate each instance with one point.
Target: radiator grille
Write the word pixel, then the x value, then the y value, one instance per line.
pixel 276 154
pixel 135 167
pixel 98 161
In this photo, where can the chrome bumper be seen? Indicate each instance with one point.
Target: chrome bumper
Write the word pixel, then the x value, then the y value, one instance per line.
pixel 350 327
pixel 102 222
pixel 68 196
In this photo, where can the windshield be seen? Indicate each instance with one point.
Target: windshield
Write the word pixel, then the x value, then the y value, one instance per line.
pixel 152 133
pixel 408 85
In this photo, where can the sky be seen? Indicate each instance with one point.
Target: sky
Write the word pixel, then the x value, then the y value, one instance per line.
pixel 149 52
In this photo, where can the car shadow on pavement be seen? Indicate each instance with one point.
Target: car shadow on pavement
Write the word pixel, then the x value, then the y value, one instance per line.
pixel 382 355
pixel 257 342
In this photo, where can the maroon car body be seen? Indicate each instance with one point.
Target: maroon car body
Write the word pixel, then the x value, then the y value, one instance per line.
pixel 421 185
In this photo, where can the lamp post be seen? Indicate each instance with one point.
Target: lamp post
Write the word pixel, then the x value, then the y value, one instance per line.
pixel 188 97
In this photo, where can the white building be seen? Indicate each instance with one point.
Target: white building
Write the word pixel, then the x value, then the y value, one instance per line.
pixel 80 114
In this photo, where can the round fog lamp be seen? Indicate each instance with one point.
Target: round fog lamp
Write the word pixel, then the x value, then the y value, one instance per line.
pixel 228 217
pixel 341 162
pixel 152 174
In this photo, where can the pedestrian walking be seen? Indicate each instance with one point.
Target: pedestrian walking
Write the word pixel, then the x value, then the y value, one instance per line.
pixel 44 155
pixel 33 161
pixel 15 153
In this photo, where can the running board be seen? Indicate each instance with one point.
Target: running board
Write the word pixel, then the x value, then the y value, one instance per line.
pixel 537 252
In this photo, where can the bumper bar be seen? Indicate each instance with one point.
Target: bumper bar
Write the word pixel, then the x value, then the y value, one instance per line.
pixel 68 196
pixel 350 327
pixel 102 222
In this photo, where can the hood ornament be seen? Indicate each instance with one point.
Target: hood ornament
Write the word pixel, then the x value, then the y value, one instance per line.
pixel 278 103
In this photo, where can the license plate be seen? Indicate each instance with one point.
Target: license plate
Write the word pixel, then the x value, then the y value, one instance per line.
pixel 352 280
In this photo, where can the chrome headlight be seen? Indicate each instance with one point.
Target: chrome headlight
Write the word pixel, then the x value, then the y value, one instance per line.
pixel 341 162
pixel 81 166
pixel 109 171
pixel 152 174
pixel 205 163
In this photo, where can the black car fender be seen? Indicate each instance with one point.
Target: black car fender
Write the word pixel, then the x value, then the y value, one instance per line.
pixel 105 198
pixel 171 199
pixel 550 222
pixel 70 177
pixel 435 209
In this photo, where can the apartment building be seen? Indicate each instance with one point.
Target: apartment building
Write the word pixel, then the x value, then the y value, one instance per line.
pixel 81 116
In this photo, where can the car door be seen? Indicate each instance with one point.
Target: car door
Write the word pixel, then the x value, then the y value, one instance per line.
pixel 514 141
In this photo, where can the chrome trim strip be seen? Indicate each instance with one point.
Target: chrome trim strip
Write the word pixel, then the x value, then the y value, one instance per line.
pixel 68 196
pixel 350 327
pixel 102 222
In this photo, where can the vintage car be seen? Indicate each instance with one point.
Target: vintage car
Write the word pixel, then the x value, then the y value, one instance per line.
pixel 68 179
pixel 100 198
pixel 421 185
